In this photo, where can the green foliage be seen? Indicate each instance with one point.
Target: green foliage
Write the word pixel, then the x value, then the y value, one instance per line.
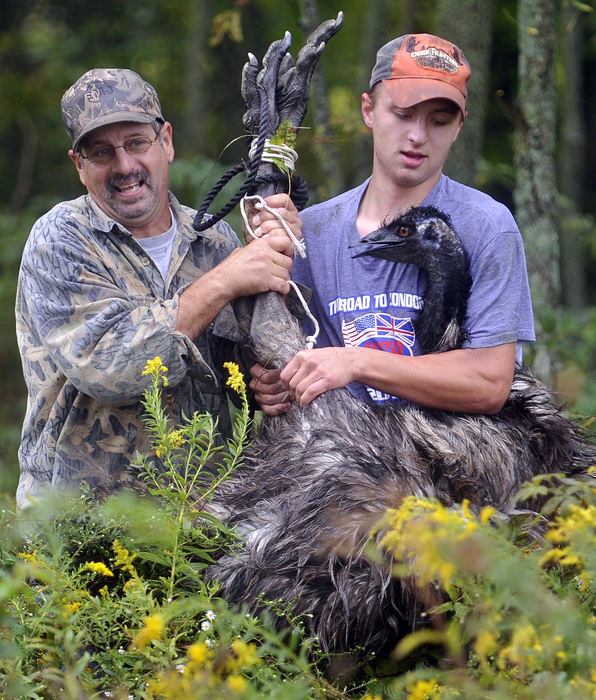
pixel 568 336
pixel 109 598
pixel 519 616
pixel 192 179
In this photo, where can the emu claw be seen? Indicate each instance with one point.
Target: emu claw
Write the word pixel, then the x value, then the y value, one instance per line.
pixel 261 85
pixel 250 94
pixel 285 86
pixel 293 86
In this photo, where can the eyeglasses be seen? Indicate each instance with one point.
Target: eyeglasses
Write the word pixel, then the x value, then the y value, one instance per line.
pixel 106 154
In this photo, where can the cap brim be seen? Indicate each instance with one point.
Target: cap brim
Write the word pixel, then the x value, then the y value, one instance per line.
pixel 407 92
pixel 113 118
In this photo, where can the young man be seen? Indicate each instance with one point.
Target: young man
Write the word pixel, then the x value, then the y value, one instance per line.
pixel 117 277
pixel 415 108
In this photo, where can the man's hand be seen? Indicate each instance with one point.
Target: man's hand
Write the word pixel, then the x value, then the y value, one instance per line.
pixel 312 372
pixel 261 266
pixel 271 394
pixel 265 223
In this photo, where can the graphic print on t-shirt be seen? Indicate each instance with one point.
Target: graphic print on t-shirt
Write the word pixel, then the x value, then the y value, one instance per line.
pixel 380 331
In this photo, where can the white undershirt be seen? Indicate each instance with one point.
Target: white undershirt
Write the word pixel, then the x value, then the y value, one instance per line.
pixel 159 248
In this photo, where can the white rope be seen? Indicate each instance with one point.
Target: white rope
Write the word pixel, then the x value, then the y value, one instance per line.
pixel 311 340
pixel 299 246
pixel 274 153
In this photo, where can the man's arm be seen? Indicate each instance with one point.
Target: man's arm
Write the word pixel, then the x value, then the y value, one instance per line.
pixel 468 380
pixel 263 265
pixel 258 267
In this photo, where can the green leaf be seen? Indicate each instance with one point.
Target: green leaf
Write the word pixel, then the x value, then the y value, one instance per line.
pixel 156 558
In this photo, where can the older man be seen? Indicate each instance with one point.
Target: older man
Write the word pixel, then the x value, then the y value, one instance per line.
pixel 118 277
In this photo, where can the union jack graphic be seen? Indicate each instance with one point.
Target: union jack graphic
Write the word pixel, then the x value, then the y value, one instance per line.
pixel 380 332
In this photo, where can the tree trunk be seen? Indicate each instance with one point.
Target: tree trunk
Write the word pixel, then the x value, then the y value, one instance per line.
pixel 24 176
pixel 535 168
pixel 571 158
pixel 193 128
pixel 373 37
pixel 326 149
pixel 468 23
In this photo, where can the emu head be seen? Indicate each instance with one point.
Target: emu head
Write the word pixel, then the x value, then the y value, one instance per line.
pixel 423 237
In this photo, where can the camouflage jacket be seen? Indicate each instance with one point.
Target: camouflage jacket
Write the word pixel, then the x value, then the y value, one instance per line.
pixel 91 309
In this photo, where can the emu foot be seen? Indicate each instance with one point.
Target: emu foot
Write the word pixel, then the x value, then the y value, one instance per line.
pixel 284 86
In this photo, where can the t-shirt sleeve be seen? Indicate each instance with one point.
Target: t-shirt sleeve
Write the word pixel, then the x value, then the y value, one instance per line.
pixel 499 307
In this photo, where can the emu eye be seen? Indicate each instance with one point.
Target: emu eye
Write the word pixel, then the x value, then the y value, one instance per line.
pixel 403 231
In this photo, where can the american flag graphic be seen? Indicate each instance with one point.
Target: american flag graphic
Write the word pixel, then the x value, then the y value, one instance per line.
pixel 380 332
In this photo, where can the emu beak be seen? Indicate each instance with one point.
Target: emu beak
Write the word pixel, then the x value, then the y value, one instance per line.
pixel 379 244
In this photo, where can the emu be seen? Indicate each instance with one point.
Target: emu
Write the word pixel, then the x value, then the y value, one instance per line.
pixel 317 479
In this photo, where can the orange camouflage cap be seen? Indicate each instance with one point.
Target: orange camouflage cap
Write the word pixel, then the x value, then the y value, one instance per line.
pixel 419 67
pixel 106 96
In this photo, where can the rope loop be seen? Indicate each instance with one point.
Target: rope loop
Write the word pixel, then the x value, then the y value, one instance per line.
pixel 277 154
pixel 310 340
pixel 203 221
pixel 262 204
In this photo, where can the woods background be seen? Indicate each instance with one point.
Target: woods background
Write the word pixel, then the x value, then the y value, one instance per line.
pixel 528 140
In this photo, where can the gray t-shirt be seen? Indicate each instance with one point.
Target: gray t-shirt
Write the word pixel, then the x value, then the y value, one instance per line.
pixel 359 300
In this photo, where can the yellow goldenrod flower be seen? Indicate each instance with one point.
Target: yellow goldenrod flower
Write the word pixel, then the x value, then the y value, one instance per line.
pixel 486 644
pixel 98 567
pixel 72 608
pixel 426 535
pixel 155 366
pixel 129 585
pixel 524 650
pixel 153 627
pixel 425 690
pixel 584 579
pixel 176 438
pixel 246 654
pixel 236 379
pixel 124 558
pixel 486 514
pixel 29 557
pixel 570 534
pixel 199 654
pixel 156 369
pixel 236 684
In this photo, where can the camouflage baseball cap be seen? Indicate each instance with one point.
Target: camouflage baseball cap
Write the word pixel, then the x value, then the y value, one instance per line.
pixel 106 96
